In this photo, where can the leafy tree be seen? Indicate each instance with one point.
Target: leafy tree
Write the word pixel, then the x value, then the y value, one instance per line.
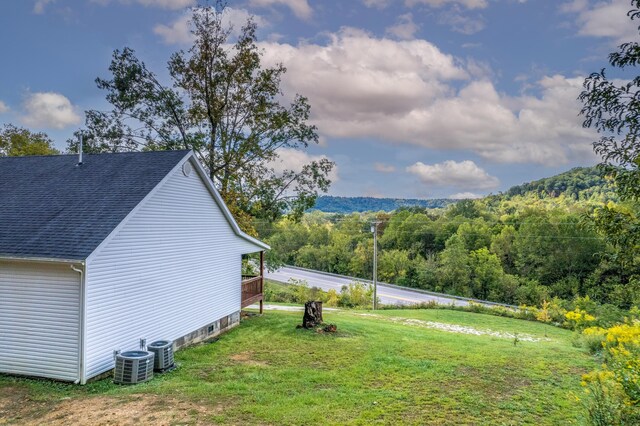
pixel 465 208
pixel 454 268
pixel 620 224
pixel 287 238
pixel 486 275
pixel 18 141
pixel 222 103
pixel 552 245
pixel 315 258
pixel 361 263
pixel 475 233
pixel 393 265
pixel 612 108
pixel 502 246
pixel 410 231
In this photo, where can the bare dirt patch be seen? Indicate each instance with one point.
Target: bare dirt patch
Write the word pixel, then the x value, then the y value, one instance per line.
pixel 15 404
pixel 246 358
pixel 133 410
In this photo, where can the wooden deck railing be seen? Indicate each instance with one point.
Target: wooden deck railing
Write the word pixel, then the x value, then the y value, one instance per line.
pixel 251 290
pixel 253 287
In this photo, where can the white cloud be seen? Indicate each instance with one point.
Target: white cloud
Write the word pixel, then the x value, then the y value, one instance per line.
pixel 574 6
pixel 300 8
pixel 162 4
pixel 464 196
pixel 404 28
pixel 465 175
pixel 49 110
pixel 168 4
pixel 410 92
pixel 378 4
pixel 384 168
pixel 294 159
pixel 606 19
pixel 179 31
pixel 461 23
pixel 356 76
pixel 40 5
pixel 3 107
pixel 469 4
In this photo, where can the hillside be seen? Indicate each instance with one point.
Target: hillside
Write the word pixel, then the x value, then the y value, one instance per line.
pixel 329 204
pixel 392 367
pixel 578 184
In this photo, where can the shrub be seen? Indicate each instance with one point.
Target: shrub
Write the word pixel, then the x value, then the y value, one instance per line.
pixel 356 295
pixel 593 339
pixel 543 314
pixel 605 400
pixel 332 298
pixel 278 293
pixel 622 356
pixel 578 319
pixel 614 392
pixel 529 313
pixel 296 291
pixel 608 315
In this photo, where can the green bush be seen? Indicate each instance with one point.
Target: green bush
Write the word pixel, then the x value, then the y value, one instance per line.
pixel 356 295
pixel 297 291
pixel 592 339
pixel 604 404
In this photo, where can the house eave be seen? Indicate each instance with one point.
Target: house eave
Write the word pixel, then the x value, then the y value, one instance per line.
pixel 40 259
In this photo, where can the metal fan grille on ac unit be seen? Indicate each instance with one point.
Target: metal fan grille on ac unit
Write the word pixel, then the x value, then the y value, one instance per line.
pixel 163 350
pixel 133 367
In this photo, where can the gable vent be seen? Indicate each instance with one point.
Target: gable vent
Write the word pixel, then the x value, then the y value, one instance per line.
pixel 187 168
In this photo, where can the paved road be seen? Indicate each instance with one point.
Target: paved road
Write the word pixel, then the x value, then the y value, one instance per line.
pixel 387 295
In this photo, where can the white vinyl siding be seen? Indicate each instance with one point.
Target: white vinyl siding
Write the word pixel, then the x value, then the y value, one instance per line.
pixel 39 319
pixel 173 267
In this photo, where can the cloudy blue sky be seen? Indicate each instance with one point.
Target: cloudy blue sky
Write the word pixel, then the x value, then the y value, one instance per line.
pixel 412 98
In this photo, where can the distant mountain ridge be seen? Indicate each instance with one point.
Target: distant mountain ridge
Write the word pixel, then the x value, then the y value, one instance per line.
pixel 330 204
pixel 581 184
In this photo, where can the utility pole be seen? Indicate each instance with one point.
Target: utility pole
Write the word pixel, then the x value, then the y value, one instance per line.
pixel 374 230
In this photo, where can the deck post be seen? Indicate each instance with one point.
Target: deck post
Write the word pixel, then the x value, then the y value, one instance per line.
pixel 261 280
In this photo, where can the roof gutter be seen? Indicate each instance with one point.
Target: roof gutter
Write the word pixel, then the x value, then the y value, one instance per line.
pixel 40 259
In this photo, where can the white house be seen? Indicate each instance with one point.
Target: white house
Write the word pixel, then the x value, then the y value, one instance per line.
pixel 97 255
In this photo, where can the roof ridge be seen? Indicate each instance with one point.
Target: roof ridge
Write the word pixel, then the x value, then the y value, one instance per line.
pixel 99 153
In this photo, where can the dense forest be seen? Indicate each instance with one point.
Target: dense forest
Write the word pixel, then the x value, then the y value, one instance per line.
pixel 579 184
pixel 329 204
pixel 535 242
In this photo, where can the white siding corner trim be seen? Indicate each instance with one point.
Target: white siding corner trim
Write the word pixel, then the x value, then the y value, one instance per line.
pixel 39 319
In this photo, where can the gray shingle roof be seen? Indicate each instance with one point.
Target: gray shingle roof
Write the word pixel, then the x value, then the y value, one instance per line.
pixel 52 208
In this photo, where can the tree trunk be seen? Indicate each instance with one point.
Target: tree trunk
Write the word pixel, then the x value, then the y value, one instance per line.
pixel 312 314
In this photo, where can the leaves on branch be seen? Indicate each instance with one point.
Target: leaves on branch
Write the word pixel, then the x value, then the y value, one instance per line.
pixel 612 107
pixel 222 104
pixel 16 141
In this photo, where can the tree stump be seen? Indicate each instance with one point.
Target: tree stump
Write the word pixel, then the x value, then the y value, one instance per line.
pixel 312 314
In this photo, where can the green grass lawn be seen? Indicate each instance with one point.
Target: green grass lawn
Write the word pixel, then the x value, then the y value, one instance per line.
pixel 380 369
